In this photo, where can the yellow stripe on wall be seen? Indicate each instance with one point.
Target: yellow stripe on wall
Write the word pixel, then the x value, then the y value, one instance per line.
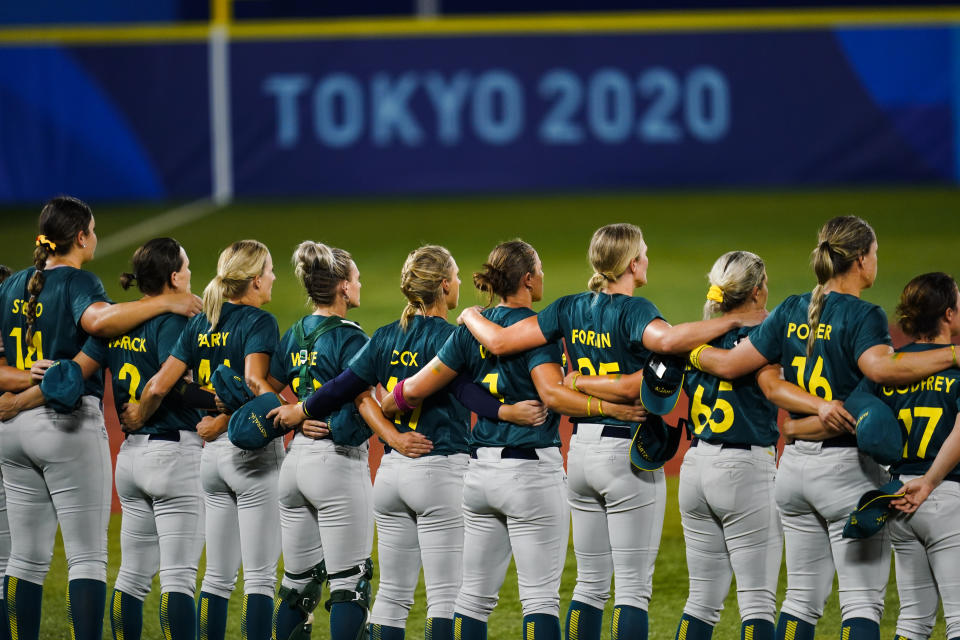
pixel 520 24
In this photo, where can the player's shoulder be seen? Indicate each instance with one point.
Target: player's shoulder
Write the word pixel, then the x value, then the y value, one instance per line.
pixel 506 316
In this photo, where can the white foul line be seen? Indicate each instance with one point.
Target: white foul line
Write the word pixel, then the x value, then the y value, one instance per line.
pixel 155 226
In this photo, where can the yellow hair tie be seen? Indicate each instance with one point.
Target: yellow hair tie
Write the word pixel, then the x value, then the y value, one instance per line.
pixel 715 293
pixel 42 240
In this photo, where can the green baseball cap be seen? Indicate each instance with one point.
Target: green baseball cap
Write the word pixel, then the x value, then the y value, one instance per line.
pixel 654 443
pixel 872 511
pixel 662 382
pixel 62 386
pixel 249 427
pixel 879 433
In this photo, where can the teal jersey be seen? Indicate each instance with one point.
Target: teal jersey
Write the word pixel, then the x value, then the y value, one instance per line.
pixel 927 410
pixel 732 411
pixel 137 356
pixel 242 330
pixel 394 354
pixel 603 332
pixel 328 356
pixel 67 292
pixel 848 327
pixel 508 378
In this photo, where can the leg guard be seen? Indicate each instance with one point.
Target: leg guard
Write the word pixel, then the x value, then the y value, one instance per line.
pixel 299 604
pixel 361 594
pixel 341 625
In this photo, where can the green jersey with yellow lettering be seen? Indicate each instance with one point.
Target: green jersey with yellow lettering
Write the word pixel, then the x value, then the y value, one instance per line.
pixel 732 411
pixel 848 327
pixel 394 354
pixel 603 332
pixel 328 356
pixel 927 410
pixel 508 378
pixel 242 330
pixel 67 292
pixel 134 358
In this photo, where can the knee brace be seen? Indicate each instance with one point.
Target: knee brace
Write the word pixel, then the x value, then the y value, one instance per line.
pixel 361 593
pixel 305 599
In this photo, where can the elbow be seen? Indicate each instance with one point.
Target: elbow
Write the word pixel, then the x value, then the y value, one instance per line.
pixel 552 399
pixel 788 429
pixel 258 386
pixel 498 348
pixel 99 327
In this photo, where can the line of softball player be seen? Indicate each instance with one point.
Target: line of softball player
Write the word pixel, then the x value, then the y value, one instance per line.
pixel 459 501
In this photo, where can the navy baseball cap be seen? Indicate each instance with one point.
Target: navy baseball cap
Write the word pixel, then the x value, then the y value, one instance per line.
pixel 879 433
pixel 872 512
pixel 62 386
pixel 654 442
pixel 662 381
pixel 231 388
pixel 249 427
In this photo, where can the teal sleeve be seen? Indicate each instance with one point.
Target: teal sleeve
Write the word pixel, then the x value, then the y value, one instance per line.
pixel 871 331
pixel 278 367
pixel 642 313
pixel 351 347
pixel 868 386
pixel 264 336
pixel 549 320
pixel 548 353
pixel 168 334
pixel 768 337
pixel 364 362
pixel 96 349
pixel 454 351
pixel 183 349
pixel 85 289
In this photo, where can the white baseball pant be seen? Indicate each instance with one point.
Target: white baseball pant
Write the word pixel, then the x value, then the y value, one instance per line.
pixel 242 516
pixel 56 468
pixel 731 526
pixel 326 509
pixel 519 507
pixel 617 519
pixel 926 546
pixel 418 508
pixel 816 490
pixel 158 482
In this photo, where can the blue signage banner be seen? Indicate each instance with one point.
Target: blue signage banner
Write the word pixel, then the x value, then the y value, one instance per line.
pixel 508 113
pixel 484 113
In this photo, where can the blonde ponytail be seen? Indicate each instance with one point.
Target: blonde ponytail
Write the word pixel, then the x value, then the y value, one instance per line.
pixel 611 249
pixel 421 280
pixel 733 278
pixel 238 265
pixel 840 243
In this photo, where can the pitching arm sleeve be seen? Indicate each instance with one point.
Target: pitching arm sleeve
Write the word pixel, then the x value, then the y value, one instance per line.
pixel 344 388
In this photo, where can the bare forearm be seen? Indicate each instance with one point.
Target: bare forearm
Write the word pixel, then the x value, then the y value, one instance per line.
pixel 790 397
pixel 110 320
pixel 947 458
pixel 13 379
pixel 681 338
pixel 614 388
pixel 29 399
pixel 370 412
pixel 810 428
pixel 904 368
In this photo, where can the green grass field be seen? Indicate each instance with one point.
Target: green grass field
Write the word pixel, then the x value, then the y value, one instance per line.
pixel 685 232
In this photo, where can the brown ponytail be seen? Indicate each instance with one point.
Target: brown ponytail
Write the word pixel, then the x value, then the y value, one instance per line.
pixel 505 268
pixel 61 220
pixel 840 242
pixel 924 302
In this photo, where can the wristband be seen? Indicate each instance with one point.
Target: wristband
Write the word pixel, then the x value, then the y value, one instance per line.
pixel 402 403
pixel 600 406
pixel 303 407
pixel 573 382
pixel 695 355
pixel 589 402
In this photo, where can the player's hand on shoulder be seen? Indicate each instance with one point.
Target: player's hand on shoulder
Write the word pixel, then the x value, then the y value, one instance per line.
pixel 528 413
pixel 184 304
pixel 38 369
pixel 915 492
pixel 315 429
pixel 467 311
pixel 836 418
pixel 130 418
pixel 751 318
pixel 411 444
pixel 8 406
